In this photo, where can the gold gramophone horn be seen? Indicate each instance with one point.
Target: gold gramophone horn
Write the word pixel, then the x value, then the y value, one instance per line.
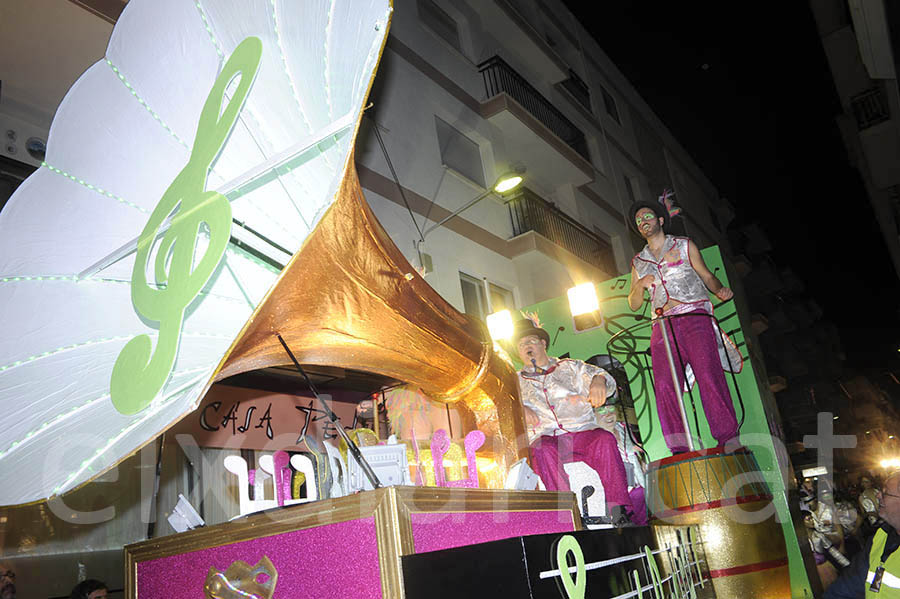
pixel 349 298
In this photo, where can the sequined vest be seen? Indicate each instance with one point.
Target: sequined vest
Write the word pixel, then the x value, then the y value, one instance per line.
pixel 674 277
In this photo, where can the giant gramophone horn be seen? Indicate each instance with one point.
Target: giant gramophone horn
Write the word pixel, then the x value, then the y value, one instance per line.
pixel 350 299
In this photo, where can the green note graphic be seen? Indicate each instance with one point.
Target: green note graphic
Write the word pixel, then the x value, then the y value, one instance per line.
pixel 573 587
pixel 140 371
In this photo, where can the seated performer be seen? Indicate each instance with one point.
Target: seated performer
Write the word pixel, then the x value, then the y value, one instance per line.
pixel 671 270
pixel 559 397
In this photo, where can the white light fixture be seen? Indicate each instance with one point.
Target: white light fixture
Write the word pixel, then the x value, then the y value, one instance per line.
pixel 504 183
pixel 583 299
pixel 500 325
pixel 890 463
pixel 507 182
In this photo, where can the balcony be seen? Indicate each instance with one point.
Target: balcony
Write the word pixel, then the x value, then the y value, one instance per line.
pixel 870 108
pixel 537 133
pixel 516 24
pixel 878 137
pixel 530 212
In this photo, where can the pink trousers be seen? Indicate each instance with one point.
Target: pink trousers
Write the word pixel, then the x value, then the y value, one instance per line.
pixel 597 448
pixel 695 341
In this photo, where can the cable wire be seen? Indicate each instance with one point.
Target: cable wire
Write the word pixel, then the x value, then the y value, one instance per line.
pixel 396 179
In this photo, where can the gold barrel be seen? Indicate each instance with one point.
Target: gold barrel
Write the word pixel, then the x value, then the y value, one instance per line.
pixel 725 496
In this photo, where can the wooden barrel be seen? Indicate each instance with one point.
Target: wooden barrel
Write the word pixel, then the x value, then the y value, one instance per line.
pixel 719 492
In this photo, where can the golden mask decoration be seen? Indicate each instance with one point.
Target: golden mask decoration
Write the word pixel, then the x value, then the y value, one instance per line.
pixel 242 581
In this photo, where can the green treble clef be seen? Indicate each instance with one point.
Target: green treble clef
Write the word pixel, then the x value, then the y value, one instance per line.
pixel 574 589
pixel 139 372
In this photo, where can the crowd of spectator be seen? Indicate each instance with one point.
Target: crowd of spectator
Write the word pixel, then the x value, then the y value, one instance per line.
pixel 838 521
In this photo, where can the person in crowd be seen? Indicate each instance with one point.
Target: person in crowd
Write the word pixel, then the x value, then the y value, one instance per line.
pixel 848 517
pixel 806 491
pixel 822 546
pixel 7 581
pixel 825 520
pixel 868 500
pixel 875 571
pixel 89 589
pixel 671 271
pixel 559 397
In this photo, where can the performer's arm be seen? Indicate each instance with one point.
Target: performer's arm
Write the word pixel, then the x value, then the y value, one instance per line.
pixel 636 295
pixel 600 389
pixel 709 279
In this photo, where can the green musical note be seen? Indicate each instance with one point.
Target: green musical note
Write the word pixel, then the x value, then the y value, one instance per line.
pixel 574 588
pixel 655 578
pixel 139 372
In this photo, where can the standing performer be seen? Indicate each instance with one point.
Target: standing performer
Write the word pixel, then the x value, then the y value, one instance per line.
pixel 672 271
pixel 559 397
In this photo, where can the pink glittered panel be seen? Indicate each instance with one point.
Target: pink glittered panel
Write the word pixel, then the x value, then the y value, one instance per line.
pixel 433 531
pixel 333 560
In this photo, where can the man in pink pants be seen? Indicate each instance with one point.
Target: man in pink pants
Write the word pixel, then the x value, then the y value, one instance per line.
pixel 671 270
pixel 559 398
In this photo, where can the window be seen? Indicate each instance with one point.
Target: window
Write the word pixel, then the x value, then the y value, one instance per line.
pixel 474 300
pixel 578 89
pixel 459 152
pixel 610 104
pixel 501 299
pixel 481 297
pixel 436 19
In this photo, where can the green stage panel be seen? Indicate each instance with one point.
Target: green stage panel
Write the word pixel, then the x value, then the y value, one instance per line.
pixel 632 351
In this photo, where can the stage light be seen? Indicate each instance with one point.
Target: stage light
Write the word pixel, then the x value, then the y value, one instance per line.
pixel 500 325
pixel 583 299
pixel 890 463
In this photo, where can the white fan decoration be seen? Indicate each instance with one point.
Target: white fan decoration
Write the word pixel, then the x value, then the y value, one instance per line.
pixel 123 236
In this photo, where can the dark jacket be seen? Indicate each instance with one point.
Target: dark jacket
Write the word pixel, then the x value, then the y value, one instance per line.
pixel 852 582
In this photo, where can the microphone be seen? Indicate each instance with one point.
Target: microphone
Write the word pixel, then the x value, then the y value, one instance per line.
pixel 536 367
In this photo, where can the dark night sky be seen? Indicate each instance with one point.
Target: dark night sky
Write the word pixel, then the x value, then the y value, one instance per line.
pixel 759 120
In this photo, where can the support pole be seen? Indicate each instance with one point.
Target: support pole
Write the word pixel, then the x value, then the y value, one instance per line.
pixel 675 385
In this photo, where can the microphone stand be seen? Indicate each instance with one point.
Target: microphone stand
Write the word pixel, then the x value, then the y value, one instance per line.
pixel 351 446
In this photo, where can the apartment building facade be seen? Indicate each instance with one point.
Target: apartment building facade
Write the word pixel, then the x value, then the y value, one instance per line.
pixel 469 91
pixel 861 39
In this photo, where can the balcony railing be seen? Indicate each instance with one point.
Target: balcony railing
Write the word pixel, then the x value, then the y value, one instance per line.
pixel 870 108
pixel 499 78
pixel 530 212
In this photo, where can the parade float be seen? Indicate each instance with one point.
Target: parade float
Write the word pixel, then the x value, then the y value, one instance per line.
pixel 214 225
